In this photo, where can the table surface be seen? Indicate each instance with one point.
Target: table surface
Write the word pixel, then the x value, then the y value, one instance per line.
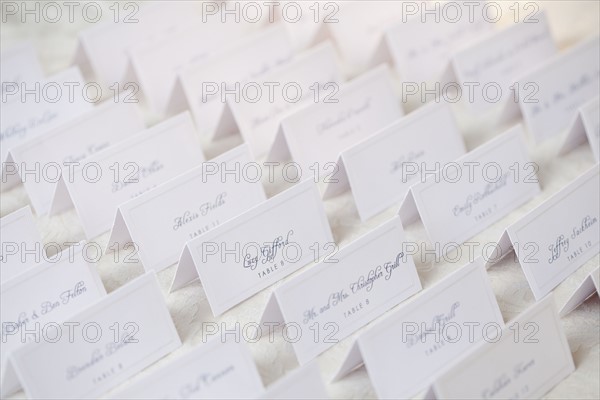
pixel 570 21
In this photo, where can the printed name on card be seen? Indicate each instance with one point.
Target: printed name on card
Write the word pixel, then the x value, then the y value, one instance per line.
pixel 184 208
pixel 21 244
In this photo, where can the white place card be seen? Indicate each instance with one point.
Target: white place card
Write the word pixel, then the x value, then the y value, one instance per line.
pixel 21 244
pixel 36 301
pixel 304 382
pixel 315 136
pixel 489 67
pixel 58 99
pixel 19 64
pixel 379 175
pixel 427 333
pixel 69 144
pixel 184 208
pixel 200 88
pixel 102 48
pixel 530 357
pixel 125 170
pixel 587 288
pixel 215 370
pixel 347 291
pixel 550 95
pixel 239 258
pixel 426 56
pixel 467 195
pixel 313 76
pixel 585 128
pixel 132 329
pixel 558 236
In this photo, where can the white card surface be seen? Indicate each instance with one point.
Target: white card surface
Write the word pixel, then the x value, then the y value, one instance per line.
pixel 184 208
pixel 379 175
pixel 318 133
pixel 557 237
pixel 304 382
pixel 19 63
pixel 474 191
pixel 347 291
pixel 258 248
pixel 530 358
pixel 560 86
pixel 69 143
pixel 214 370
pixel 585 128
pixel 492 65
pixel 42 297
pixel 134 330
pixel 312 76
pixel 126 170
pixel 587 288
pixel 199 88
pixel 26 116
pixel 21 244
pixel 405 350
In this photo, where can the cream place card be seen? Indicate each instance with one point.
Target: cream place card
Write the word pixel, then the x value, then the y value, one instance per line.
pixel 550 95
pixel 102 48
pixel 315 135
pixel 36 301
pixel 242 256
pixel 347 291
pixel 201 88
pixel 487 70
pixel 426 56
pixel 466 196
pixel 214 370
pixel 587 288
pixel 132 329
pixel 68 145
pixel 585 128
pixel 529 358
pixel 21 244
pixel 304 382
pixel 557 237
pixel 60 98
pixel 126 170
pixel 429 332
pixel 313 76
pixel 184 208
pixel 19 65
pixel 379 174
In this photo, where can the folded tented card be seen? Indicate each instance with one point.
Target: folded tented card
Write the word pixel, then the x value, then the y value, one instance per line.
pixel 214 370
pixel 589 287
pixel 347 291
pixel 405 350
pixel 31 114
pixel 39 161
pixel 426 56
pixel 379 174
pixel 184 208
pixel 550 95
pixel 130 329
pixel 529 358
pixel 313 76
pixel 35 302
pixel 19 64
pixel 315 135
pixel 200 88
pixel 585 128
pixel 465 196
pixel 237 259
pixel 487 69
pixel 126 170
pixel 557 237
pixel 304 382
pixel 21 244
pixel 102 49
